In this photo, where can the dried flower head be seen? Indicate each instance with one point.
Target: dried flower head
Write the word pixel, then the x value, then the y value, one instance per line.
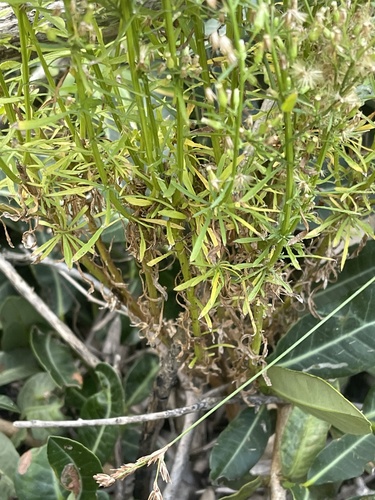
pixel 104 480
pixel 306 78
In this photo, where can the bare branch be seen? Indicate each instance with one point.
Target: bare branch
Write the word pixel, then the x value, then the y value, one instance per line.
pixel 61 328
pixel 70 275
pixel 205 404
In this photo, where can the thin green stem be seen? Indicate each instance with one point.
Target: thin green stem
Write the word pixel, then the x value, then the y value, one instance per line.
pixel 241 77
pixel 133 53
pixel 193 305
pixel 20 13
pixel 11 115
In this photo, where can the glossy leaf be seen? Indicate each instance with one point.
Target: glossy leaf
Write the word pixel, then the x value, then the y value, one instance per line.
pixel 17 365
pixel 37 400
pixel 139 379
pixel 241 444
pixel 346 457
pixel 343 458
pixel 318 397
pixel 74 466
pixel 107 402
pixel 304 436
pixel 35 480
pixel 56 358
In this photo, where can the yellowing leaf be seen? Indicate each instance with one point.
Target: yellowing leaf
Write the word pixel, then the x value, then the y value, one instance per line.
pixel 289 103
pixel 152 262
pixel 173 214
pixel 137 201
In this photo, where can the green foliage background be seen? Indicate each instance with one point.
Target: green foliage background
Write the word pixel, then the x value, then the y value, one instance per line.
pixel 209 164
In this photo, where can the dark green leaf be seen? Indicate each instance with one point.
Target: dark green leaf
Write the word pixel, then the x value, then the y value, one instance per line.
pixel 106 403
pixel 130 437
pixel 342 459
pixel 241 444
pixel 303 438
pixel 54 289
pixel 343 346
pixel 17 365
pixel 35 480
pixel 318 397
pixel 326 492
pixel 346 457
pixel 56 359
pixel 74 466
pixel 7 404
pixel 16 326
pixel 355 274
pixel 139 379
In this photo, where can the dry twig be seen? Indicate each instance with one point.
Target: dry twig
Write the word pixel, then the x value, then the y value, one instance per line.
pixel 61 328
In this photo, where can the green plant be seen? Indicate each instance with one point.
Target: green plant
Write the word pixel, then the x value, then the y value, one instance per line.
pixel 231 172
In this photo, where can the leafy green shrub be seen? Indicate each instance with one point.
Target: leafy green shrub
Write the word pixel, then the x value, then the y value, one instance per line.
pixel 220 150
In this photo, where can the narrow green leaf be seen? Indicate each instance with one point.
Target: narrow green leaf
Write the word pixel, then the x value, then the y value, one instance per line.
pixel 88 247
pixel 241 444
pixel 216 286
pixel 318 397
pixel 193 281
pixel 173 214
pixel 8 172
pixel 200 238
pixel 137 201
pixel 74 466
pixel 40 122
pixel 152 262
